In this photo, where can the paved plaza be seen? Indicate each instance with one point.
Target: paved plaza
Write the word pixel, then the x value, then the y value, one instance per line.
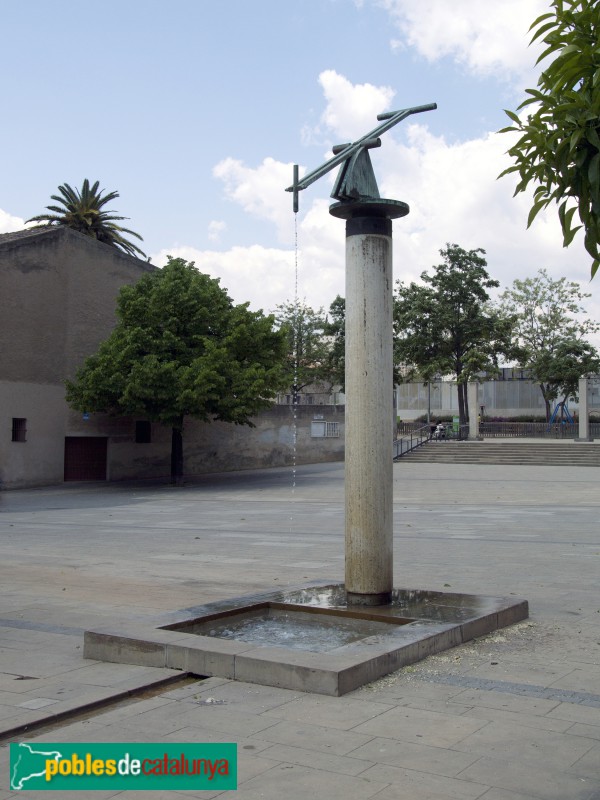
pixel 511 716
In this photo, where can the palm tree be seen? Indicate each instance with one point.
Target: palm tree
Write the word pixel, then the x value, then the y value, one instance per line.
pixel 83 211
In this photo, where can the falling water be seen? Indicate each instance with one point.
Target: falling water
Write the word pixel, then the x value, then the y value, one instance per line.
pixel 295 349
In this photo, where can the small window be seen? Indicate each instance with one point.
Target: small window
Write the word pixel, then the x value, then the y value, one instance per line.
pixel 319 429
pixel 19 429
pixel 143 432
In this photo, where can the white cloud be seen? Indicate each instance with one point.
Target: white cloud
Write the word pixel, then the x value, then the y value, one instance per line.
pixel 9 223
pixel 454 195
pixel 351 109
pixel 260 275
pixel 260 191
pixel 215 229
pixel 487 38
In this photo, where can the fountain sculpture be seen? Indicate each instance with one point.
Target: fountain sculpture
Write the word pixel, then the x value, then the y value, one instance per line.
pixel 331 639
pixel 369 364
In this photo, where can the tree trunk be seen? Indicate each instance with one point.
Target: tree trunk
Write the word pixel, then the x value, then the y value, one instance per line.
pixel 177 453
pixel 547 398
pixel 463 407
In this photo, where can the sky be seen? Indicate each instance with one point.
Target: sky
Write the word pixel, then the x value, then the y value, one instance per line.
pixel 195 112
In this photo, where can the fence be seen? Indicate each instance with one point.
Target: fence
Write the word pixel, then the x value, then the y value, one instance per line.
pixel 534 430
pixel 414 438
pixel 515 430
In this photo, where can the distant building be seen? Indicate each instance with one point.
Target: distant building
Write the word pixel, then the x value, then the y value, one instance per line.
pixel 509 394
pixel 315 394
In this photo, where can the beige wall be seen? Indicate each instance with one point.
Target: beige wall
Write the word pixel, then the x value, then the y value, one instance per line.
pixel 38 460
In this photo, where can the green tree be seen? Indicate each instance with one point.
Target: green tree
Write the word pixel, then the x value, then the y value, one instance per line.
pixel 182 348
pixel 307 346
pixel 85 211
pixel 559 150
pixel 551 330
pixel 335 329
pixel 561 369
pixel 447 326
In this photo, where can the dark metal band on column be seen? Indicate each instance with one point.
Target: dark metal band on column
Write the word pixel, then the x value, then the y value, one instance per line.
pixel 380 226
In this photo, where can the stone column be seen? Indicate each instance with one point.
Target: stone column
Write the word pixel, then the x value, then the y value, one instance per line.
pixel 369 399
pixel 473 400
pixel 584 417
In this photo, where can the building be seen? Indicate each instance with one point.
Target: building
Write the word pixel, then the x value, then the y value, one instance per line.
pixel 510 394
pixel 59 291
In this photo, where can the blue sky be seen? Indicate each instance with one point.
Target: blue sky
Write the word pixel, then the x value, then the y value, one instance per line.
pixel 195 111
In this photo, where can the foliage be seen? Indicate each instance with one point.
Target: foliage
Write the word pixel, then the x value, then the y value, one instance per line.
pixel 181 348
pixel 84 211
pixel 559 150
pixel 307 346
pixel 447 326
pixel 561 370
pixel 550 333
pixel 335 328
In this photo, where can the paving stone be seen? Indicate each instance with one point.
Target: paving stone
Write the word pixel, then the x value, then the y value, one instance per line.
pixel 411 781
pixel 437 760
pixel 243 696
pixel 401 686
pixel 503 794
pixel 37 702
pixel 576 713
pixel 546 723
pixel 536 674
pixel 544 782
pixel 477 528
pixel 127 710
pixel 198 734
pixel 589 764
pixel 500 740
pixel 330 711
pixel 85 730
pixel 218 718
pixel 422 727
pixel 295 782
pixel 506 701
pixel 439 706
pixel 166 795
pixel 313 737
pixel 589 731
pixel 249 766
pixel 581 679
pixel 310 758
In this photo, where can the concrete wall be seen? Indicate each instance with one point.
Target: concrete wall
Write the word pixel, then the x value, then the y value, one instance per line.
pixel 222 447
pixel 58 290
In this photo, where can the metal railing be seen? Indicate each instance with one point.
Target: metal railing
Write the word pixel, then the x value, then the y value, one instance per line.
pixel 534 430
pixel 410 441
pixel 511 430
